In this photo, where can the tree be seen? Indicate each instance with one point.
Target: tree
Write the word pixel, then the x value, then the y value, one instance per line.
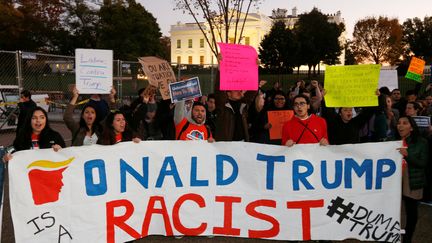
pixel 224 18
pixel 418 35
pixel 79 24
pixel 278 49
pixel 318 39
pixel 29 24
pixel 378 40
pixel 349 54
pixel 128 29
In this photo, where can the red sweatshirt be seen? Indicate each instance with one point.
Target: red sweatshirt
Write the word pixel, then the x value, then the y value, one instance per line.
pixel 310 130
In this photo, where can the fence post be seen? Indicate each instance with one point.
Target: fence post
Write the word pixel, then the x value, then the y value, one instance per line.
pixel 18 60
pixel 119 80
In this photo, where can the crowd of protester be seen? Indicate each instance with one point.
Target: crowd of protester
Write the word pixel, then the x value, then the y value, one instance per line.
pixel 242 116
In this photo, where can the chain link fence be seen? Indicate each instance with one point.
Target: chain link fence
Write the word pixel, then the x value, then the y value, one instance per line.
pixel 54 76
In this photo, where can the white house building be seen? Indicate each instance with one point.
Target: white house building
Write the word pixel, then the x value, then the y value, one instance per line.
pixel 188 45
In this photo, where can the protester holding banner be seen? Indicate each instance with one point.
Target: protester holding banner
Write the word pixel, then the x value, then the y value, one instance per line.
pixel 116 130
pixel 304 128
pixel 190 125
pixel 87 131
pixel 25 105
pixel 36 133
pixel 415 153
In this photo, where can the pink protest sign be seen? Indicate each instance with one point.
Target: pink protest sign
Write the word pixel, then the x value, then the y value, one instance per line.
pixel 238 67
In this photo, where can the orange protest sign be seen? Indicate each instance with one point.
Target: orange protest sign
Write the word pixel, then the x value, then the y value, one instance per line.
pixel 277 119
pixel 416 65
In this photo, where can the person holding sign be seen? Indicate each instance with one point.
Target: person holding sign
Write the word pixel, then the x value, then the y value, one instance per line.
pixel 304 128
pixel 415 153
pixel 343 127
pixel 87 131
pixel 232 111
pixel 265 118
pixel 190 125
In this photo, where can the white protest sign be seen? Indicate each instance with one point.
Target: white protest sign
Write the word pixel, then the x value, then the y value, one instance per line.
pixel 389 79
pixel 94 71
pixel 127 191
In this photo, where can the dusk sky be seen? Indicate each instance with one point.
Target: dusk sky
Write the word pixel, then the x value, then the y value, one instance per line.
pixel 352 10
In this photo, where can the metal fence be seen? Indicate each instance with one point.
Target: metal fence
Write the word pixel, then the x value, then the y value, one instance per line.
pixel 54 75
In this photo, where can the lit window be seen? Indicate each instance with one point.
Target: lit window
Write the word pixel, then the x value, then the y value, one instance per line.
pixel 247 41
pixel 201 60
pixel 190 59
pixel 178 59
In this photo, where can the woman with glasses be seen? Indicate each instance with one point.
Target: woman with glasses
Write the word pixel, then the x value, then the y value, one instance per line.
pixel 258 117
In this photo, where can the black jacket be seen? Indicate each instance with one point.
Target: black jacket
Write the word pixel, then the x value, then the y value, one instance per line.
pixel 47 139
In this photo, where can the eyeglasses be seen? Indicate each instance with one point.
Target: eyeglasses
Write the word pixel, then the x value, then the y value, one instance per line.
pixel 300 104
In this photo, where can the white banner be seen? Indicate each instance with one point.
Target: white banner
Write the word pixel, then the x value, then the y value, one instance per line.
pixel 127 191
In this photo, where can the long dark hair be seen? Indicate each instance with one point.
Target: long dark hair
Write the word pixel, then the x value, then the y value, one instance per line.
pixel 96 127
pixel 108 134
pixel 23 139
pixel 415 133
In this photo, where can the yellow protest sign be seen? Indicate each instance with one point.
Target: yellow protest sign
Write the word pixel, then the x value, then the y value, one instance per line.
pixel 352 85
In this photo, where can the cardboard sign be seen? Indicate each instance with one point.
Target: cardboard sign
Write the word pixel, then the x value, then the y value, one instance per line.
pixel 130 190
pixel 389 79
pixel 238 67
pixel 159 74
pixel 277 119
pixel 415 69
pixel 352 85
pixel 94 71
pixel 185 90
